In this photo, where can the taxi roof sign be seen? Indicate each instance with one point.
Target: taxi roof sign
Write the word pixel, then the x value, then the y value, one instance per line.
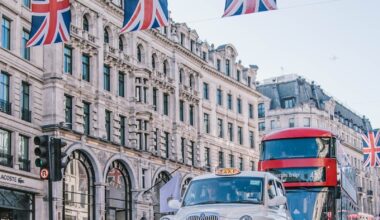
pixel 227 171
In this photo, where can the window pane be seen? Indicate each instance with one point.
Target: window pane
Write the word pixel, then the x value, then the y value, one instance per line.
pixel 6 33
pixel 25 51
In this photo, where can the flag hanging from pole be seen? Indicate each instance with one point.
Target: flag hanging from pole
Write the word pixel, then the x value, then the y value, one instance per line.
pixel 240 7
pixel 145 14
pixel 50 22
pixel 371 148
pixel 171 190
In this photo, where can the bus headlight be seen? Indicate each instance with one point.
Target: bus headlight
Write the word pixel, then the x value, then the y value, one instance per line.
pixel 246 217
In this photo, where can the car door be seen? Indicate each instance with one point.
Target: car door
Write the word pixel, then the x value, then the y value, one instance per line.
pixel 283 209
pixel 272 193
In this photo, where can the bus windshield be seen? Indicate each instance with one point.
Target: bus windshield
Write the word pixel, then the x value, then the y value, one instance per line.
pixel 244 190
pixel 297 148
pixel 311 203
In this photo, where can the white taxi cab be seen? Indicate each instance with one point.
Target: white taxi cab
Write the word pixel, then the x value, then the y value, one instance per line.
pixel 231 194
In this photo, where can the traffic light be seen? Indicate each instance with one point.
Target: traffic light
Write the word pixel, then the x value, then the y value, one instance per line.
pixel 57 156
pixel 42 154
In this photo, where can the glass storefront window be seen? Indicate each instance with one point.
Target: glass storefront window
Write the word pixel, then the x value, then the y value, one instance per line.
pixel 16 205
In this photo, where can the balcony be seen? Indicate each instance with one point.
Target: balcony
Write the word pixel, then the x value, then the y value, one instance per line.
pixel 26 115
pixel 5 107
pixel 6 160
pixel 24 164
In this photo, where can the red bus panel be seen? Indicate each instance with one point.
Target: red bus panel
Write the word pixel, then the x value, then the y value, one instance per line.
pixel 298 133
pixel 329 164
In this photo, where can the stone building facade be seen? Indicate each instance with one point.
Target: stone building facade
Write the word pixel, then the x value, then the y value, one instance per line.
pixel 292 101
pixel 133 108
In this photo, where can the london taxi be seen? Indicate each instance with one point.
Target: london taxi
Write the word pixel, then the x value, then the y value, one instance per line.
pixel 231 194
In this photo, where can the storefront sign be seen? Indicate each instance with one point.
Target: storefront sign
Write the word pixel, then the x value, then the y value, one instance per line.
pixel 11 178
pixel 15 180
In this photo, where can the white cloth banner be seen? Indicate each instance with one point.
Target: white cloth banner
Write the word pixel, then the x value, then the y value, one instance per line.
pixel 171 190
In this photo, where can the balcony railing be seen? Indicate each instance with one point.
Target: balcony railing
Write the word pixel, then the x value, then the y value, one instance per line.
pixel 24 164
pixel 5 106
pixel 6 160
pixel 26 115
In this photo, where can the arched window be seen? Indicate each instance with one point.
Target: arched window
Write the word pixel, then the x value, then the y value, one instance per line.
pixel 165 67
pixel 118 193
pixel 161 179
pixel 86 25
pixel 106 36
pixel 121 43
pixel 140 52
pixel 78 187
pixel 181 76
pixel 192 81
pixel 154 60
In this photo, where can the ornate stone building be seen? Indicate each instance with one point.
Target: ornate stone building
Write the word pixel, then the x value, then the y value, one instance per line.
pixel 133 108
pixel 292 101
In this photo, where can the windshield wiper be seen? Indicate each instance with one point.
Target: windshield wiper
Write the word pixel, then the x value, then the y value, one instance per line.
pixel 246 202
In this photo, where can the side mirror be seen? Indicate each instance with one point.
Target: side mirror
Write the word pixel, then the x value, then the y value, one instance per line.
pixel 277 201
pixel 174 204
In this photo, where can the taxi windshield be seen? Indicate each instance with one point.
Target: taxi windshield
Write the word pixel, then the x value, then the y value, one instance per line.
pixel 243 190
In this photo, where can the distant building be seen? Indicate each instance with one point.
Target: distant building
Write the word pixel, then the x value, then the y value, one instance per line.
pixel 292 101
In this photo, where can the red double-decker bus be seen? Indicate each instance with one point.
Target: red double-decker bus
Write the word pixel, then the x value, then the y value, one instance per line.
pixel 305 160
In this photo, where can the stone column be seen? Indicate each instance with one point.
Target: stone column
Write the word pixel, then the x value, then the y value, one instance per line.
pixel 100 207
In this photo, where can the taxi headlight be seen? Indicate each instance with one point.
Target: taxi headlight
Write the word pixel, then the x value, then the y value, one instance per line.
pixel 246 217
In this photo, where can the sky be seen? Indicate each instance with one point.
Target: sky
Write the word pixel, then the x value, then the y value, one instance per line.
pixel 335 43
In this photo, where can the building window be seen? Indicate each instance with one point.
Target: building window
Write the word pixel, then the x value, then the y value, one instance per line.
pixel 261 110
pixel 239 109
pixel 306 122
pixel 181 110
pixel 205 91
pixel 141 89
pixel 252 165
pixel 232 161
pixel 165 67
pixel 181 75
pixel 6 157
pixel 86 118
pixel 228 68
pixel 23 154
pixel 68 59
pixel 249 81
pixel 25 51
pixel 167 144
pixel 107 78
pixel 241 164
pixel 231 132
pixel 191 115
pixel 122 130
pixel 288 103
pixel 108 124
pixel 272 124
pixel 191 81
pixel 192 43
pixel 220 128
pixel 143 178
pixel 121 84
pixel 26 114
pixel 218 67
pixel 250 110
pixel 106 36
pixel 251 139
pixel 26 3
pixel 207 159
pixel 139 53
pixel 155 99
pixel 86 26
pixel 182 39
pixel 291 123
pixel 142 134
pixel 6 33
pixel 206 123
pixel 219 97
pixel 229 101
pixel 240 135
pixel 183 147
pixel 166 104
pixel 86 67
pixel 204 56
pixel 68 111
pixel 121 44
pixel 154 61
pixel 221 159
pixel 5 105
pixel 261 126
pixel 238 75
pixel 192 149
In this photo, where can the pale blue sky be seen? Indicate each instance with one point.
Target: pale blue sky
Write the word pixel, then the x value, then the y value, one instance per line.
pixel 334 42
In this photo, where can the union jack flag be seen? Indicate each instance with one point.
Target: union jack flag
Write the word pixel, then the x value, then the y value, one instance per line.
pixel 240 7
pixel 50 22
pixel 145 14
pixel 371 148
